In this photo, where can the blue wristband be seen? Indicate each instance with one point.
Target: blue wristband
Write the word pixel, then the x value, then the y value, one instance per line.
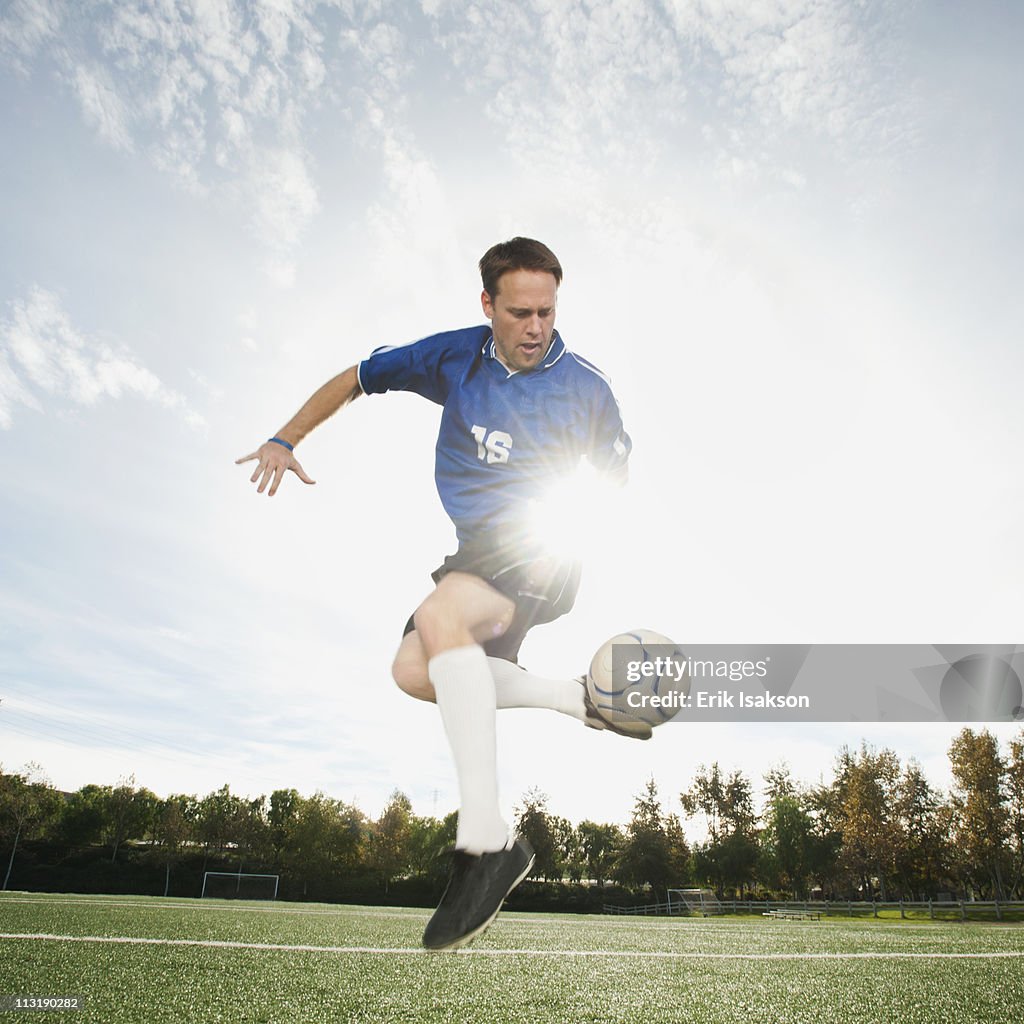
pixel 284 444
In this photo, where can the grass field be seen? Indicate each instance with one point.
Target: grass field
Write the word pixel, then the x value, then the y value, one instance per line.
pixel 143 960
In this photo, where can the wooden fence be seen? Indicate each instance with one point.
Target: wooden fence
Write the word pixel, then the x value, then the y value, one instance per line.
pixel 957 909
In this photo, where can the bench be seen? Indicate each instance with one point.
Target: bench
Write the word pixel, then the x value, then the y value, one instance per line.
pixel 793 915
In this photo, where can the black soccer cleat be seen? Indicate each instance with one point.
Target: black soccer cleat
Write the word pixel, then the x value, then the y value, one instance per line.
pixel 476 890
pixel 595 720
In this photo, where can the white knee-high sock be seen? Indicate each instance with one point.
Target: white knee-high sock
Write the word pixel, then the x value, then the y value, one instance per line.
pixel 465 697
pixel 514 687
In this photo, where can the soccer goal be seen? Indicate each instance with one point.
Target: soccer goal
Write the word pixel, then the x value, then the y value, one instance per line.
pixel 694 901
pixel 238 885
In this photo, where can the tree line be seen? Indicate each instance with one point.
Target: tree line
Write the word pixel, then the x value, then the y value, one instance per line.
pixel 878 829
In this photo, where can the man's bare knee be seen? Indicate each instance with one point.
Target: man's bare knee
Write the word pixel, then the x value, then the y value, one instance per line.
pixel 464 609
pixel 436 612
pixel 409 671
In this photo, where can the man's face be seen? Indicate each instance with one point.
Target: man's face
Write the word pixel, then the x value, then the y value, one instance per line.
pixel 522 316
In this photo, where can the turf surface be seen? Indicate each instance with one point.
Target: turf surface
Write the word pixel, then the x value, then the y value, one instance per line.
pixel 213 961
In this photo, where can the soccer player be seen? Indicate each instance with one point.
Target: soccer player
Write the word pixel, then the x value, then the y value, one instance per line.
pixel 520 412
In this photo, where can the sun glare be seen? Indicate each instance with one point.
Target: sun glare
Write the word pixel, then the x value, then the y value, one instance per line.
pixel 575 517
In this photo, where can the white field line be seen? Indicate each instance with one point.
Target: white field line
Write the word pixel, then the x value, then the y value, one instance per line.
pixel 622 954
pixel 533 920
pixel 383 913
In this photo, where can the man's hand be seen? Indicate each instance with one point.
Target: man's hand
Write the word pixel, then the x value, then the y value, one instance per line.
pixel 274 461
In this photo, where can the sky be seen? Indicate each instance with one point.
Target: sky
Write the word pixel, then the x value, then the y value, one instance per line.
pixel 791 235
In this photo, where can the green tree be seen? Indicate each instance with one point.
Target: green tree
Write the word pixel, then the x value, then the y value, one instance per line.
pixel 600 847
pixel 330 840
pixel 730 856
pixel 28 805
pixel 391 837
pixel 282 819
pixel 83 817
pixel 568 859
pixel 786 843
pixel 779 782
pixel 981 815
pixel 824 804
pixel 922 858
pixel 680 858
pixel 867 787
pixel 1015 798
pixel 534 824
pixel 129 813
pixel 707 795
pixel 174 823
pixel 647 856
pixel 429 838
pixel 251 830
pixel 218 821
pixel 794 849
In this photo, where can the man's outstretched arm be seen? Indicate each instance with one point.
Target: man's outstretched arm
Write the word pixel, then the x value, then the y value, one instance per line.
pixel 275 459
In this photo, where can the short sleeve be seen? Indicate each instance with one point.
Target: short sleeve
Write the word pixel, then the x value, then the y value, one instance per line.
pixel 609 444
pixel 425 367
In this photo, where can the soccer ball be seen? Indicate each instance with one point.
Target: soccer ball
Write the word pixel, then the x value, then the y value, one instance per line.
pixel 640 677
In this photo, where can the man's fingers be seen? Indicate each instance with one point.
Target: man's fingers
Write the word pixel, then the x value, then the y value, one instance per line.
pixel 300 472
pixel 265 479
pixel 271 470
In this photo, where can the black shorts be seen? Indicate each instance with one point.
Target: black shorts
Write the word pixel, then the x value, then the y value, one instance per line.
pixel 542 587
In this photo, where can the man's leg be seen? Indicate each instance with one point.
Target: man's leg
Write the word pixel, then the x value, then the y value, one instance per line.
pixel 461 612
pixel 517 688
pixel 488 863
pixel 514 687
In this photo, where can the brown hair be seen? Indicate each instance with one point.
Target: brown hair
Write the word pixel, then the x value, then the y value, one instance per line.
pixel 517 254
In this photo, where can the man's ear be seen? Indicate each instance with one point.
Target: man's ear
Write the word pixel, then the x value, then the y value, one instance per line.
pixel 487 304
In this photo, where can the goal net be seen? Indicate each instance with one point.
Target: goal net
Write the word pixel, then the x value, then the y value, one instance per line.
pixel 693 901
pixel 238 885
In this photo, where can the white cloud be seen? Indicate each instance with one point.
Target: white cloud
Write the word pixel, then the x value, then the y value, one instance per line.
pixel 627 88
pixel 25 26
pixel 787 74
pixel 102 107
pixel 575 89
pixel 284 195
pixel 792 62
pixel 41 354
pixel 413 213
pixel 602 101
pixel 12 392
pixel 214 94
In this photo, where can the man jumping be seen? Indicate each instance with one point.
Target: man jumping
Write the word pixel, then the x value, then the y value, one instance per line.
pixel 520 412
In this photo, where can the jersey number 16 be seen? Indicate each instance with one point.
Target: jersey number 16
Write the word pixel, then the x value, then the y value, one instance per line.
pixel 493 446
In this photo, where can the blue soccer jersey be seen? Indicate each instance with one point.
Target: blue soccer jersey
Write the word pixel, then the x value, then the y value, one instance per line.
pixel 504 437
